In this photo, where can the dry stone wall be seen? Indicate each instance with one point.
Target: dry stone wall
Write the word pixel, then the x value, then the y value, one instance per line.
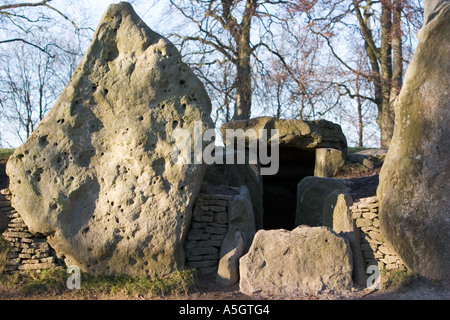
pixel 209 226
pixel 27 252
pixel 375 249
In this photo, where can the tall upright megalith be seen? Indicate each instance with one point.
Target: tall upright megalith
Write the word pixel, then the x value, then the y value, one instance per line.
pixel 415 178
pixel 96 176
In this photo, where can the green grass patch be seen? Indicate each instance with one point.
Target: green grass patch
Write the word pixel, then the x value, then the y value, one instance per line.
pixel 4 249
pixel 5 153
pixel 53 282
pixel 396 278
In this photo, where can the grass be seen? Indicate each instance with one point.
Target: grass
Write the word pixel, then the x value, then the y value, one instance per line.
pixel 5 153
pixel 396 278
pixel 53 282
pixel 4 249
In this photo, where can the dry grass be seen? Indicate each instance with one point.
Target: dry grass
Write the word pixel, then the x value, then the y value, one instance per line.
pixel 51 284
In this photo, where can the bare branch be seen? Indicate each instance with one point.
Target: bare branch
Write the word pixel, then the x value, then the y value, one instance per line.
pixel 28 43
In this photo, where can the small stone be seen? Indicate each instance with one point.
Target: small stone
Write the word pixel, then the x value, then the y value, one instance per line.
pixel 356 214
pixel 30 261
pixel 198 225
pixel 375 235
pixel 209 243
pixel 363 205
pixel 30 251
pixel 388 259
pixel 222 203
pixel 17 234
pixel 371 200
pixel 198 234
pixel 221 217
pixel 13 262
pixel 361 222
pixel 48 260
pixel 215 230
pixel 203 218
pixel 37 266
pixel 369 215
pixel 203 251
pixel 376 223
pixel 10 268
pixel 217 208
pixel 368 229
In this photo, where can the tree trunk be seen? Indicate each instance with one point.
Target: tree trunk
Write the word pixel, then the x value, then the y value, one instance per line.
pixel 243 89
pixel 397 50
pixel 386 115
pixel 360 115
pixel 243 82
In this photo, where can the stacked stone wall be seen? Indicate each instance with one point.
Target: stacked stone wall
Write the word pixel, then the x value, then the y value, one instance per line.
pixel 375 248
pixel 26 252
pixel 209 226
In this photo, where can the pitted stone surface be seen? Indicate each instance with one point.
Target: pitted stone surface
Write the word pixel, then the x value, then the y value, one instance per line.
pixel 96 176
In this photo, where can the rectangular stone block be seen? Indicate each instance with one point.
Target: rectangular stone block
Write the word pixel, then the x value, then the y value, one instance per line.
pixel 9 234
pixel 37 266
pixel 375 235
pixel 356 214
pixel 222 203
pixel 221 217
pixel 30 261
pixel 203 251
pixel 30 251
pixel 204 218
pixel 361 222
pixel 198 234
pixel 48 260
pixel 215 230
pixel 10 268
pixel 202 264
pixel 217 208
pixel 369 215
pixel 217 236
pixel 209 243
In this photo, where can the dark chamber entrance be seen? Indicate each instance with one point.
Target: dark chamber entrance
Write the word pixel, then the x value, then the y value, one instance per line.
pixel 280 190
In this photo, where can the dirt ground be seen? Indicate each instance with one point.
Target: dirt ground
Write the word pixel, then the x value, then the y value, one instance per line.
pixel 208 290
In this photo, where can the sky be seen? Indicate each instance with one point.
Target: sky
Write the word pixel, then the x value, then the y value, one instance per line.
pixel 87 13
pixel 151 11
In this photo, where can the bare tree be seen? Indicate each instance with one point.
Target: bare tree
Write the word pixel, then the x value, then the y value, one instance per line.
pixel 19 21
pixel 381 25
pixel 30 82
pixel 229 28
pixel 38 54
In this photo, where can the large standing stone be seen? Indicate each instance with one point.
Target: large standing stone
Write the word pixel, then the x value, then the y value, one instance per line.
pixel 311 195
pixel 328 162
pixel 96 176
pixel 338 217
pixel 415 178
pixel 303 261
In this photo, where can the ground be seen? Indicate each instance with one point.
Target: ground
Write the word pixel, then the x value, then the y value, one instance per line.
pixel 364 184
pixel 207 289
